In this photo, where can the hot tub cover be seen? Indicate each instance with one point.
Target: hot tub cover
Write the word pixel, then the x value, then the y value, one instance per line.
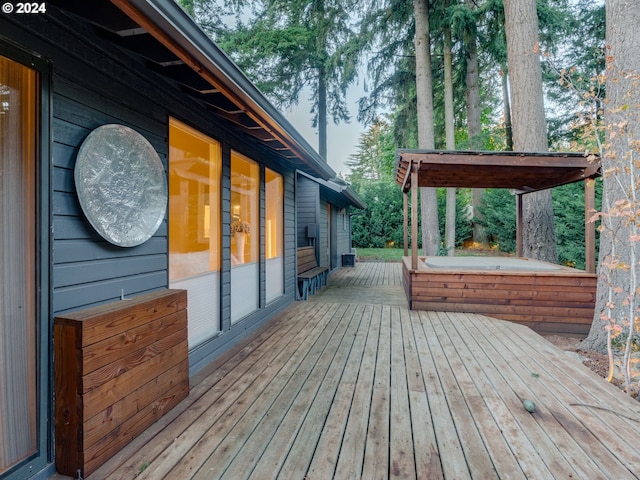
pixel 489 263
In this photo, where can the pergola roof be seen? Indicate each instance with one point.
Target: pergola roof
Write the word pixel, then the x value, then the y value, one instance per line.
pixel 521 171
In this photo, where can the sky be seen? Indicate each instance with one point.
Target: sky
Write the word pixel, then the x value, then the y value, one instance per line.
pixel 342 139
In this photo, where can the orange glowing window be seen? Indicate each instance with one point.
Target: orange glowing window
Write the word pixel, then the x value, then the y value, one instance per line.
pixel 194 202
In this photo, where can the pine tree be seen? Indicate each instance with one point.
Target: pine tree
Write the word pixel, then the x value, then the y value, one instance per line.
pixel 529 124
pixel 287 45
pixel 618 297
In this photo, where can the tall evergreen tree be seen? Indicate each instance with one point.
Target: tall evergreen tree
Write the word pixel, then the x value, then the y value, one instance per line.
pixel 572 67
pixel 529 124
pixel 397 33
pixel 472 97
pixel 388 29
pixel 449 127
pixel 426 137
pixel 374 159
pixel 618 298
pixel 286 45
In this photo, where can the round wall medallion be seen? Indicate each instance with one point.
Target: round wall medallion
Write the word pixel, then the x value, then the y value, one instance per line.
pixel 121 185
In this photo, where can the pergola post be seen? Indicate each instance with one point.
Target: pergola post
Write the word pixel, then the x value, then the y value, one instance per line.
pixel 589 227
pixel 414 215
pixel 405 221
pixel 519 249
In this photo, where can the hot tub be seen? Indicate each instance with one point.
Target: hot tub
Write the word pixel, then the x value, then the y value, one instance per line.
pixel 546 297
pixel 489 263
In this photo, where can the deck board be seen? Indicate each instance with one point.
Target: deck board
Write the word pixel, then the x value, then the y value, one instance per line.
pixel 354 389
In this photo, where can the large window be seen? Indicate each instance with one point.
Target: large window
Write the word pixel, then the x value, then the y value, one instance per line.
pixel 19 100
pixel 194 226
pixel 274 234
pixel 245 235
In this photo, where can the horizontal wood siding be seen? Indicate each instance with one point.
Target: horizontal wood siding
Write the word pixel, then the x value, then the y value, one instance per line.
pixel 307 197
pixel 558 302
pixel 343 231
pixel 290 241
pixel 96 83
pixel 93 84
pixel 323 234
pixel 118 368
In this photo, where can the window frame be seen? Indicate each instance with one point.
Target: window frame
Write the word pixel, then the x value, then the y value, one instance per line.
pixel 43 456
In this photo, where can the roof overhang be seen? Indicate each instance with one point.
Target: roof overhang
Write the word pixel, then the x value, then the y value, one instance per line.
pixel 519 171
pixel 163 34
pixel 337 192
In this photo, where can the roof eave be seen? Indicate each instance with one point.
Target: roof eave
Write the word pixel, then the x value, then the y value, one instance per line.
pixel 170 22
pixel 343 191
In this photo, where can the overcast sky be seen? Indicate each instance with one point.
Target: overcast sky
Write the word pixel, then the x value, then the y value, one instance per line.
pixel 342 139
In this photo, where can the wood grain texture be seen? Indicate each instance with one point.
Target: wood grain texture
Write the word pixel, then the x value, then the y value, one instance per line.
pixel 559 302
pixel 118 368
pixel 333 390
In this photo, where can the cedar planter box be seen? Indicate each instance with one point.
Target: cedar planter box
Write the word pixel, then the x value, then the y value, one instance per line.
pixel 118 368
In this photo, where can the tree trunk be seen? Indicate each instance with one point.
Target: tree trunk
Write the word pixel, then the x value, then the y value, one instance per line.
pixel 321 49
pixel 449 127
pixel 508 130
pixel 428 198
pixel 617 302
pixel 322 114
pixel 474 126
pixel 529 125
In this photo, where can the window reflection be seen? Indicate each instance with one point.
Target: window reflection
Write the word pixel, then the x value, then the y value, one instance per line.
pixel 194 202
pixel 274 234
pixel 19 101
pixel 245 195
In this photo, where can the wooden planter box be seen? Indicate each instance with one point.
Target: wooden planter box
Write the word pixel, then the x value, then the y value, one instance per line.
pixel 118 368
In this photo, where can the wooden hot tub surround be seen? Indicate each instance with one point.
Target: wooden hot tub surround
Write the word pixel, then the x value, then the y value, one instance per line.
pixel 551 301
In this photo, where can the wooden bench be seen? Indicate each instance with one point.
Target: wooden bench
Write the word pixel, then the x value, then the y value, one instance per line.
pixel 311 277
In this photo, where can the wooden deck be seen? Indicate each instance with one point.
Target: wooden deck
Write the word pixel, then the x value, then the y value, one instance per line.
pixel 354 385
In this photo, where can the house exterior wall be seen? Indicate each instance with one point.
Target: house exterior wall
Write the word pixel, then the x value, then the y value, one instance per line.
pixel 317 205
pixel 97 83
pixel 324 232
pixel 94 82
pixel 335 236
pixel 343 233
pixel 307 199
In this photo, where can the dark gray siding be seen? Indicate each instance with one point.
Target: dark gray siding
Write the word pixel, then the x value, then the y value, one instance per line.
pixel 343 232
pixel 93 87
pixel 307 204
pixel 290 244
pixel 335 238
pixel 323 234
pixel 96 83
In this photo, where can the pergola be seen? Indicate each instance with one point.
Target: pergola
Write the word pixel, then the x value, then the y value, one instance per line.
pixel 522 172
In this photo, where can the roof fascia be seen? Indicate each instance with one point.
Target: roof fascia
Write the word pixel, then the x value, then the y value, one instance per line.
pixel 344 191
